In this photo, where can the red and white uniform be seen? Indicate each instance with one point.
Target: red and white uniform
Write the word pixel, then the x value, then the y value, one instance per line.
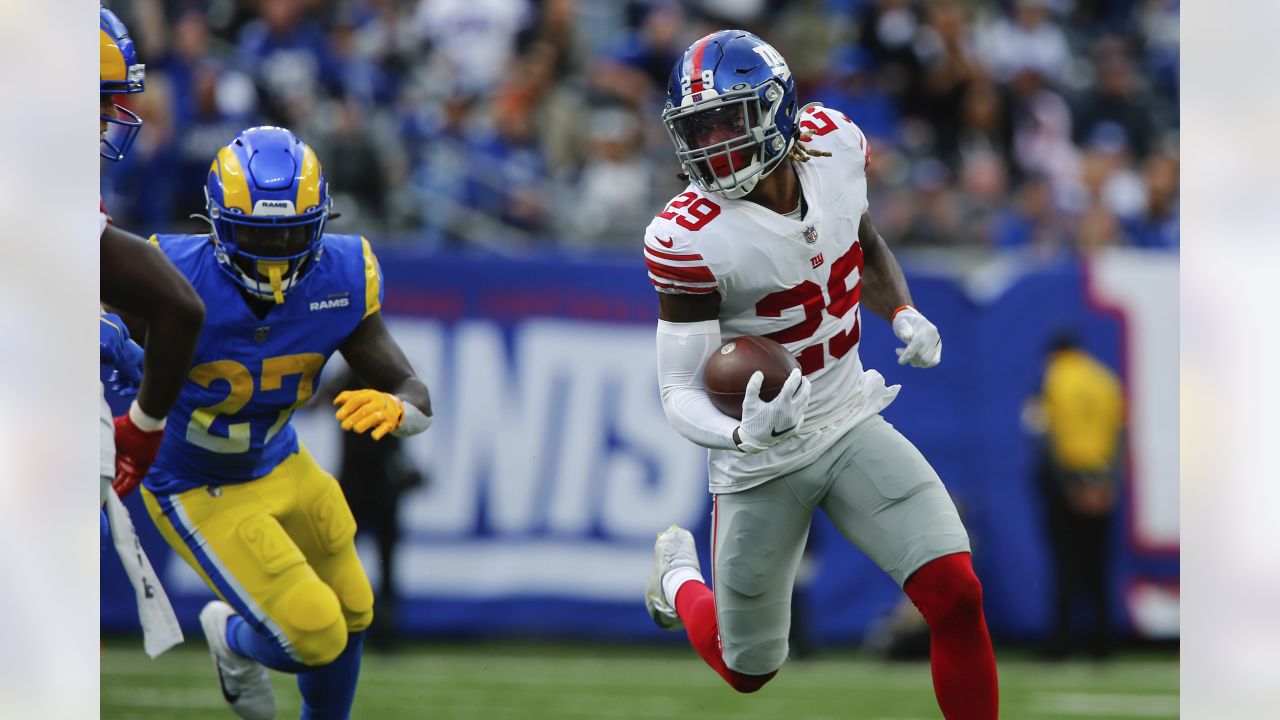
pixel 795 281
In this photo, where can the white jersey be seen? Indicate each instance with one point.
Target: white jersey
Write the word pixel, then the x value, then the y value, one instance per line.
pixel 798 282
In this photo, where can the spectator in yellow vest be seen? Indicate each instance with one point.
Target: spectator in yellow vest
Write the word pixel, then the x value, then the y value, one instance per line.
pixel 1080 412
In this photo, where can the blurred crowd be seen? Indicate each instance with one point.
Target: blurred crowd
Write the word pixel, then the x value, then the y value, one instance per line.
pixel 1048 127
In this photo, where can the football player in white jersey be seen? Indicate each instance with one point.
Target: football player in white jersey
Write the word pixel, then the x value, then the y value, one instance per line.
pixel 773 237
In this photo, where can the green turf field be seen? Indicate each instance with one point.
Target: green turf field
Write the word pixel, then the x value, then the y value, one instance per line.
pixel 531 682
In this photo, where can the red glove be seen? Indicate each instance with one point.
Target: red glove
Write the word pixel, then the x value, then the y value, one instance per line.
pixel 135 449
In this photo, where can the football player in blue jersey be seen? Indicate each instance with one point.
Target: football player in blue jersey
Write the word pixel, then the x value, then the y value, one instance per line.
pixel 137 279
pixel 232 489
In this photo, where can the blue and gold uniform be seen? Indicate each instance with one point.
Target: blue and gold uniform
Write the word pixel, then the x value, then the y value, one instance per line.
pixel 232 489
pixel 231 423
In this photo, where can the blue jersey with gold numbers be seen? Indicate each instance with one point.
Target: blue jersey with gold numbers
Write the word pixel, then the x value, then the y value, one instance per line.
pixel 231 421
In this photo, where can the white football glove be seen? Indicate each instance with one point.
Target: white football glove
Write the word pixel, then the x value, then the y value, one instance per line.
pixel 924 344
pixel 764 424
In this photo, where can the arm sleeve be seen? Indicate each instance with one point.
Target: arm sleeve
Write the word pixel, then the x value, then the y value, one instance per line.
pixel 683 349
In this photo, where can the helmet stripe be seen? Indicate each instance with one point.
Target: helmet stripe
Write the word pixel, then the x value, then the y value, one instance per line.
pixel 308 182
pixel 695 72
pixel 111 66
pixel 235 187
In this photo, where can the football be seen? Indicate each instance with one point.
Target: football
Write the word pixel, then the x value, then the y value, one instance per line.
pixel 729 368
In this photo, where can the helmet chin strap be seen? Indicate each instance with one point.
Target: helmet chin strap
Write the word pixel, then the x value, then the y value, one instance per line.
pixel 274 270
pixel 276 285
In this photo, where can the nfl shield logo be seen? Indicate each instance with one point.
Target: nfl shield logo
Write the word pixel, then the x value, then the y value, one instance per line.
pixel 810 234
pixel 261 334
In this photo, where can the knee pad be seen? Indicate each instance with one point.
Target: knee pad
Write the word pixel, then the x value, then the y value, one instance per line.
pixel 355 595
pixel 756 657
pixel 312 619
pixel 331 516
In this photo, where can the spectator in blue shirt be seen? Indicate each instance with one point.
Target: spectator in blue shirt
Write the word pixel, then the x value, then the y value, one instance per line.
pixel 853 90
pixel 291 59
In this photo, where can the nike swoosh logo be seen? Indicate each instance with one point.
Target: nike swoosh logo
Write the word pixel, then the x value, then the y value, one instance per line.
pixel 780 433
pixel 233 699
pixel 666 243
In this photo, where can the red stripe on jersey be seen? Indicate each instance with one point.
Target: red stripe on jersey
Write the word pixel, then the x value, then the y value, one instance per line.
pixel 696 273
pixel 672 256
pixel 715 530
pixel 684 288
pixel 695 73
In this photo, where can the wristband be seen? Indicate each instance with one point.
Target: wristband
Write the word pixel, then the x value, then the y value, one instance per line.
pixel 900 308
pixel 142 420
pixel 413 422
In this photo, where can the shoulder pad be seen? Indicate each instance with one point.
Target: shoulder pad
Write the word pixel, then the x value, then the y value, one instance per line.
pixel 690 211
pixel 833 132
pixel 675 265
pixel 358 264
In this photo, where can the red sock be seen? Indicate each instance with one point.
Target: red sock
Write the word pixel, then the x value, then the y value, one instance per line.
pixel 696 606
pixel 949 596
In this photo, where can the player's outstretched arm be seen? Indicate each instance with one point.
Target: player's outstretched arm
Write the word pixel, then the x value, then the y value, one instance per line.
pixel 397 401
pixel 137 278
pixel 140 280
pixel 885 293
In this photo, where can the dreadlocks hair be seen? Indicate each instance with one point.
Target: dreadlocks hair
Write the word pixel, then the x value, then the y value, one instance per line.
pixel 799 152
pixel 803 154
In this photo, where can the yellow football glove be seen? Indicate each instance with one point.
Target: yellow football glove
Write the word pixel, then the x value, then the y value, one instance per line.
pixel 361 410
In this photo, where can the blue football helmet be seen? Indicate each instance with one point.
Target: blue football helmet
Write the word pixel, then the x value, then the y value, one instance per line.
pixel 119 73
pixel 268 202
pixel 731 111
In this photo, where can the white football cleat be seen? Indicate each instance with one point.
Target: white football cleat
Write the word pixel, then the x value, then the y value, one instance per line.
pixel 673 549
pixel 244 682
